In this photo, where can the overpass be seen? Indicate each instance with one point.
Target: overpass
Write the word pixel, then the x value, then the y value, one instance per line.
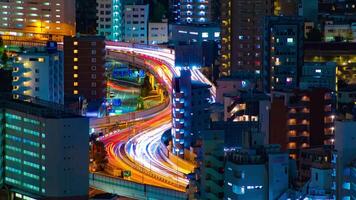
pixel 133 190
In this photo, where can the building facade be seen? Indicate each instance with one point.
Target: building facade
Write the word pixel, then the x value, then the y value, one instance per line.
pixel 43 150
pixel 305 118
pixel 42 20
pixel 40 75
pixel 110 19
pixel 84 70
pixel 343 160
pixel 319 75
pixel 190 112
pixel 241 34
pixel 194 11
pixel 283 52
pixel 256 174
pixel 157 33
pixel 136 23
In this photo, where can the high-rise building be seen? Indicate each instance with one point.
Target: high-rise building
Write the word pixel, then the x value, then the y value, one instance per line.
pixel 282 52
pixel 37 19
pixel 84 70
pixel 193 11
pixel 305 119
pixel 110 19
pixel 86 16
pixel 136 23
pixel 44 150
pixel 39 74
pixel 189 111
pixel 241 34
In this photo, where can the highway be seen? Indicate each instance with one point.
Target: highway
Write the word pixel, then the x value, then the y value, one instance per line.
pixel 138 148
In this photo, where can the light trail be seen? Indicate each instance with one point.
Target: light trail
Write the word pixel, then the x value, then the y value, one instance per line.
pixel 138 148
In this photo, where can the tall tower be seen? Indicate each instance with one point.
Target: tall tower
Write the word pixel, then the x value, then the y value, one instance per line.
pixel 109 19
pixel 241 33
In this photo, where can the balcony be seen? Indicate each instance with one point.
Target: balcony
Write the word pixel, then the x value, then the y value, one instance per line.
pixel 178 125
pixel 178 105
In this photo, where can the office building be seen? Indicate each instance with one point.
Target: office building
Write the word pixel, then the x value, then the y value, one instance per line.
pixel 283 52
pixel 110 19
pixel 319 75
pixel 136 23
pixel 45 150
pixel 241 34
pixel 86 16
pixel 84 60
pixel 343 159
pixel 343 53
pixel 260 173
pixel 39 73
pixel 38 19
pixel 305 119
pixel 194 11
pixel 157 33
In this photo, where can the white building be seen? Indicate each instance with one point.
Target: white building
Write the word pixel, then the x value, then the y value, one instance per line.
pixel 136 23
pixel 29 18
pixel 45 151
pixel 40 75
pixel 344 155
pixel 157 32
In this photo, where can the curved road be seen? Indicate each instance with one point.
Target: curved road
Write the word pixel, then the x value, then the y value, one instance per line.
pixel 138 148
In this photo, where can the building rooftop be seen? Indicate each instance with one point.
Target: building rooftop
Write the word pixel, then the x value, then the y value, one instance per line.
pixel 35 106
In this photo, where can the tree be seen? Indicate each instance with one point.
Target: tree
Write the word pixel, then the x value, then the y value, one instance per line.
pixel 146 87
pixel 314 35
pixel 4 58
pixel 1 42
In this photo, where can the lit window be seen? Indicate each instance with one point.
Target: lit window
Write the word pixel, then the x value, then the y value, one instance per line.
pixel 290 40
pixel 75 59
pixel 75 51
pixel 75 75
pixel 75 43
pixel 40 59
pixel 75 84
pixel 75 92
pixel 75 67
